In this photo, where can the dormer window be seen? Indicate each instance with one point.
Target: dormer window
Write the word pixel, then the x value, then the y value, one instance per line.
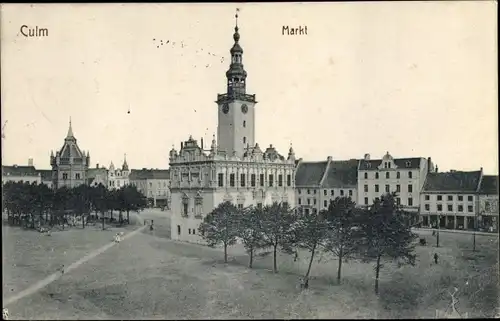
pixel 408 164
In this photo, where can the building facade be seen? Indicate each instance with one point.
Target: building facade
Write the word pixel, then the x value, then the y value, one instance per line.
pixel 154 184
pixel 118 177
pixel 405 176
pixel 23 174
pixel 70 164
pixel 488 203
pixel 450 198
pixel 319 183
pixel 234 169
pixel 97 175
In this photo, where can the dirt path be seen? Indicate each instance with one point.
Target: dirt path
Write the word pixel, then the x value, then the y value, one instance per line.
pixel 55 276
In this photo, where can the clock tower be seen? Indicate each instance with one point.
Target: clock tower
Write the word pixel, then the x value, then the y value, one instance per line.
pixel 236 109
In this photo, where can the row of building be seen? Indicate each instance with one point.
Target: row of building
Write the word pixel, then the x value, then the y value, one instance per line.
pixel 71 168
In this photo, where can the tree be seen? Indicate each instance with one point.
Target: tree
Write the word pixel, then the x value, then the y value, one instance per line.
pixel 308 232
pixel 99 200
pixel 343 235
pixel 250 230
pixel 82 201
pixel 220 226
pixel 386 233
pixel 133 200
pixel 43 200
pixel 276 222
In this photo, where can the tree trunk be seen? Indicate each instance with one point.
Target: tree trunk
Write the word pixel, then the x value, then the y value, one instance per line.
pixel 250 252
pixel 275 265
pixel 306 279
pixel 377 273
pixel 128 217
pixel 341 254
pixel 103 220
pixel 111 218
pixel 225 252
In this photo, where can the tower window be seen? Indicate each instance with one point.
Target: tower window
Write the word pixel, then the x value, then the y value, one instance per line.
pixel 65 176
pixel 244 140
pixel 244 123
pixel 77 175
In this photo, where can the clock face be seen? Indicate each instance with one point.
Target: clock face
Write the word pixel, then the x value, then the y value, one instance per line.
pixel 225 108
pixel 244 109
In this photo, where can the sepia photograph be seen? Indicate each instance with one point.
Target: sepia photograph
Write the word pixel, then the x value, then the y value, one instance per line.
pixel 330 160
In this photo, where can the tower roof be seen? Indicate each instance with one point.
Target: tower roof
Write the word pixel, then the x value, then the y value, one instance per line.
pixel 70 147
pixel 236 74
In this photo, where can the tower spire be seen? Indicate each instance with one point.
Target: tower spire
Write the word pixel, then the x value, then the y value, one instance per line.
pixel 70 130
pixel 236 75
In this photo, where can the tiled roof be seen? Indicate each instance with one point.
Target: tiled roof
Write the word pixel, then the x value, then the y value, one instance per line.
pixel 455 181
pixel 93 172
pixel 408 163
pixel 46 174
pixel 341 174
pixel 140 174
pixel 489 185
pixel 16 170
pixel 310 173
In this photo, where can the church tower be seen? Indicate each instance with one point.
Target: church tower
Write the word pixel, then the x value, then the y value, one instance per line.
pixel 236 109
pixel 70 164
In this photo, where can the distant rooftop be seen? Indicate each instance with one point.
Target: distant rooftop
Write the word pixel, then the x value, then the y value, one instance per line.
pixel 16 170
pixel 139 174
pixel 489 185
pixel 453 181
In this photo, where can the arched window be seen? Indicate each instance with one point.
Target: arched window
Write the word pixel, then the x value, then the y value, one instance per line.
pixel 244 140
pixel 244 123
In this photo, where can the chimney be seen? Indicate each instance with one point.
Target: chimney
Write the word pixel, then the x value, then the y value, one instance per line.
pixel 182 145
pixel 329 158
pixel 436 168
pixel 429 165
pixel 367 157
pixel 97 165
pixel 30 161
pixel 202 143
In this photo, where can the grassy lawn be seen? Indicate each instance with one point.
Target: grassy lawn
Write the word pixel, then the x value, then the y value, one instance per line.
pixel 151 277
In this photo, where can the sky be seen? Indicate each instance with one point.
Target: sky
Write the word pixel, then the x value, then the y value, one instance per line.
pixel 415 79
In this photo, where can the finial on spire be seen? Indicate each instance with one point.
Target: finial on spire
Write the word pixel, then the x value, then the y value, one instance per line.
pixel 236 16
pixel 70 129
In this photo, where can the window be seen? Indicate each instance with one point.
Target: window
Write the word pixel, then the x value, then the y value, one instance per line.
pixel 240 206
pixel 308 201
pixel 189 231
pixel 470 208
pixel 244 123
pixel 460 208
pixel 288 180
pixel 410 201
pixel 427 197
pixel 244 140
pixel 220 179
pixel 252 180
pixel 285 204
pixel 300 201
pixel 350 192
pixel 332 192
pixel 410 175
pixel 271 180
pixel 308 191
pixel 242 180
pixel 460 198
pixel 259 205
pixel 440 197
pixel 314 192
pixel 231 180
pixel 440 207
pixel 398 201
pixel 65 175
pixel 178 230
pixel 376 175
pixel 194 231
pixel 366 200
pixel 185 208
pixel 325 203
pixel 387 175
pixel 280 180
pixel 427 207
pixel 300 192
pixel 261 180
pixel 366 175
pixel 151 184
pixel 450 208
pixel 387 188
pixel 376 188
pixel 314 201
pixel 398 175
pixel 469 198
pixel 410 188
pixel 325 192
pixel 398 188
pixel 315 210
pixel 450 198
pixel 366 188
pixel 341 192
pixel 487 206
pixel 77 175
